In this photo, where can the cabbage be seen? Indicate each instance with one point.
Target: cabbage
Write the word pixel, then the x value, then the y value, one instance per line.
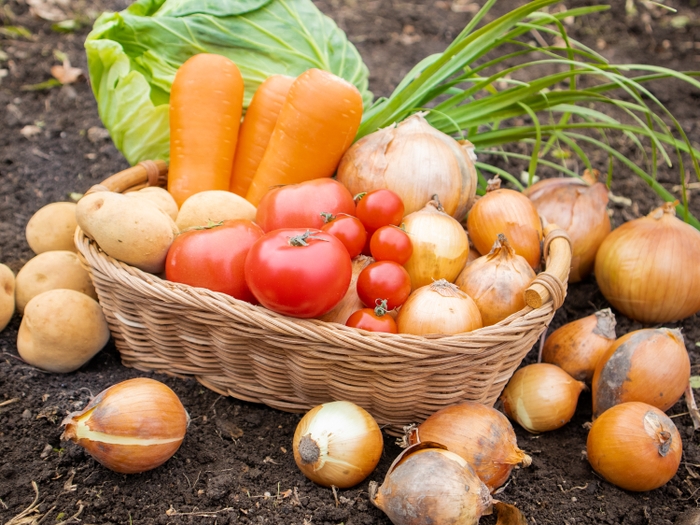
pixel 133 56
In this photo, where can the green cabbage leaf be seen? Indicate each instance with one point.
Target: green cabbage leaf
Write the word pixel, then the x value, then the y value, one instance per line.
pixel 133 56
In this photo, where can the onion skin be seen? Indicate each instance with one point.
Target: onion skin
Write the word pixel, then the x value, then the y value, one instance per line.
pixel 497 282
pixel 481 435
pixel 508 212
pixel 634 446
pixel 578 207
pixel 648 267
pixel 649 365
pixel 576 347
pixel 541 397
pixel 131 427
pixel 416 161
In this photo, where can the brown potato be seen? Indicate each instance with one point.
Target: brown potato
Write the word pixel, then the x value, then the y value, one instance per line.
pixel 158 196
pixel 49 271
pixel 52 228
pixel 61 330
pixel 7 296
pixel 215 206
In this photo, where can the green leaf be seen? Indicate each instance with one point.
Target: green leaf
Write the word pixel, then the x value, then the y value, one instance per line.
pixel 133 56
pixel 694 381
pixel 41 86
pixel 16 31
pixel 66 26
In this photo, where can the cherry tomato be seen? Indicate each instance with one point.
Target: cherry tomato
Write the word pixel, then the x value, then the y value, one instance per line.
pixel 301 205
pixel 383 280
pixel 298 272
pixel 373 320
pixel 391 243
pixel 214 257
pixel 350 231
pixel 379 208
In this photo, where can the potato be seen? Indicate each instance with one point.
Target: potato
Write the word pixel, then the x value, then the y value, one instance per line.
pixel 7 296
pixel 48 271
pixel 52 228
pixel 134 231
pixel 158 196
pixel 215 206
pixel 61 330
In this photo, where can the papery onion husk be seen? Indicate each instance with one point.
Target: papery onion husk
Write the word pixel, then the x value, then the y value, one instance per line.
pixel 497 282
pixel 579 207
pixel 576 347
pixel 649 365
pixel 511 213
pixel 440 245
pixel 438 308
pixel 634 446
pixel 415 161
pixel 541 397
pixel 428 485
pixel 649 268
pixel 482 435
pixel 350 302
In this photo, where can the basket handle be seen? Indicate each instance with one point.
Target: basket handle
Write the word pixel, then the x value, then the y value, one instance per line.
pixel 145 173
pixel 551 283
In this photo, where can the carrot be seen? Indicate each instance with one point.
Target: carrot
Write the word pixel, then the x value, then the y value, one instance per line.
pixel 256 130
pixel 206 102
pixel 316 125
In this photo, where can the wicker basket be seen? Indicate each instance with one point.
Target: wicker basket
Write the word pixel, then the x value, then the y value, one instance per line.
pixel 252 354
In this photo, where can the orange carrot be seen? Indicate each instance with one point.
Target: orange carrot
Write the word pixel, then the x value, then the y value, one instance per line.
pixel 206 102
pixel 256 130
pixel 317 123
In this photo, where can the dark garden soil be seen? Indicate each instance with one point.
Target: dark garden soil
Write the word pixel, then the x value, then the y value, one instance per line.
pixel 236 464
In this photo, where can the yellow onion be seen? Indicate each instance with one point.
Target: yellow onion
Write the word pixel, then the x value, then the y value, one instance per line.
pixel 440 245
pixel 416 161
pixel 497 282
pixel 130 427
pixel 350 302
pixel 337 444
pixel 649 365
pixel 634 446
pixel 648 267
pixel 508 212
pixel 482 435
pixel 579 207
pixel 541 397
pixel 428 485
pixel 438 308
pixel 577 346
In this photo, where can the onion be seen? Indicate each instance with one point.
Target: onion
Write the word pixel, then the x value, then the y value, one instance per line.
pixel 634 446
pixel 337 444
pixel 648 365
pixel 440 245
pixel 579 207
pixel 428 485
pixel 350 302
pixel 438 308
pixel 648 267
pixel 480 434
pixel 508 212
pixel 497 282
pixel 577 346
pixel 541 397
pixel 415 161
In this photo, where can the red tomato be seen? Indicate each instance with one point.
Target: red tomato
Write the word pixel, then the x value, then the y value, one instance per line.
pixel 298 272
pixel 391 243
pixel 350 231
pixel 368 319
pixel 383 280
pixel 214 257
pixel 301 205
pixel 379 208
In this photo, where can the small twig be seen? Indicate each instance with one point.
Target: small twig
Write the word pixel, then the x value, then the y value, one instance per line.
pixel 540 40
pixel 3 504
pixel 74 516
pixel 33 508
pixel 9 402
pixel 692 407
pixel 335 494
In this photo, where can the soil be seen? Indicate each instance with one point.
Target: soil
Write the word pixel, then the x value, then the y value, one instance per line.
pixel 236 464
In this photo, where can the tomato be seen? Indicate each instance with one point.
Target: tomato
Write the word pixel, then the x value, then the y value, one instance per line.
pixel 383 280
pixel 379 208
pixel 350 231
pixel 372 320
pixel 391 243
pixel 214 257
pixel 301 205
pixel 298 272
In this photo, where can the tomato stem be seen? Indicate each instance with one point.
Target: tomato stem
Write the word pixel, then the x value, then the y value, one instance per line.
pixel 300 240
pixel 381 308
